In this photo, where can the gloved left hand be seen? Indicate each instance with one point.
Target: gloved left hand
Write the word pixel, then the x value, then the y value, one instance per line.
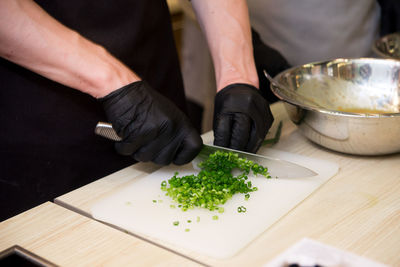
pixel 242 118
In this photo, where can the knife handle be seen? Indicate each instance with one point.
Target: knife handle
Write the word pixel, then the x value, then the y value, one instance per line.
pixel 106 130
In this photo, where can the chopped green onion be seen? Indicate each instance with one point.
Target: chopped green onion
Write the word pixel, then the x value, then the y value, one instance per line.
pixel 198 219
pixel 214 184
pixel 154 201
pixel 276 138
pixel 215 217
pixel 176 223
pixel 241 209
pixel 187 230
pixel 189 221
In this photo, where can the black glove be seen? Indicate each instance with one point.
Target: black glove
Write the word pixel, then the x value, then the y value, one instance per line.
pixel 269 59
pixel 152 127
pixel 242 118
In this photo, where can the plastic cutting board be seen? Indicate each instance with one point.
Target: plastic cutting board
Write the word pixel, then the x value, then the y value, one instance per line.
pixel 143 209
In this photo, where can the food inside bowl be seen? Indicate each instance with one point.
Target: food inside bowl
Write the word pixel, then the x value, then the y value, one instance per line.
pixel 337 94
pixel 363 111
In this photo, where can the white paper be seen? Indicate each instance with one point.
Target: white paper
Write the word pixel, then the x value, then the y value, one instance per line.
pixel 308 252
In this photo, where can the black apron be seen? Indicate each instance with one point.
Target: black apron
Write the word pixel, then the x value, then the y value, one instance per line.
pixel 48 146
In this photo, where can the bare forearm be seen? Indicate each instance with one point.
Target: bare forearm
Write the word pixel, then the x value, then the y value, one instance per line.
pixel 33 39
pixel 227 28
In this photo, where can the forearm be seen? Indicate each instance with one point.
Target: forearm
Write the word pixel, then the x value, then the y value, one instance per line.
pixel 227 29
pixel 33 39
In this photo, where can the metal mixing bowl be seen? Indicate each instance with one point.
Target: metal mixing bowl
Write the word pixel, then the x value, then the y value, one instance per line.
pixel 347 105
pixel 388 46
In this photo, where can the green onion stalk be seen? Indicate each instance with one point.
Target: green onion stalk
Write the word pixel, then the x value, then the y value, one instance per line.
pixel 214 184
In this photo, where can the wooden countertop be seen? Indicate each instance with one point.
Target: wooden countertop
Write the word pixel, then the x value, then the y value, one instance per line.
pixel 357 210
pixel 66 238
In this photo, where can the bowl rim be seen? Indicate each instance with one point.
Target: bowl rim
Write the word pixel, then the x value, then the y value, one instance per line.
pixel 275 89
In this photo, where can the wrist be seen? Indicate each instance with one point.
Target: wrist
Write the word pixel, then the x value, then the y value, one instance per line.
pixel 227 81
pixel 238 69
pixel 237 78
pixel 90 68
pixel 109 76
pixel 111 80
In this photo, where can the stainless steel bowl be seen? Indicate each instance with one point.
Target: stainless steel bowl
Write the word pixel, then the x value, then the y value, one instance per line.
pixel 388 46
pixel 347 105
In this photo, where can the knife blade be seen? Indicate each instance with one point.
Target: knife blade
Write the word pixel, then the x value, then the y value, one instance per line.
pixel 278 168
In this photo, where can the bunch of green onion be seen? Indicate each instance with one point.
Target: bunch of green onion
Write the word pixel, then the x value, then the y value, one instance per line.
pixel 215 183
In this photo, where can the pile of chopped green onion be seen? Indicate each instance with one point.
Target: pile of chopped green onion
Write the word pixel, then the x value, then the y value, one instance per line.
pixel 215 183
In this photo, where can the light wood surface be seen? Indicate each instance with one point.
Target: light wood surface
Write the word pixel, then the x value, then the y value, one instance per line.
pixel 66 238
pixel 358 210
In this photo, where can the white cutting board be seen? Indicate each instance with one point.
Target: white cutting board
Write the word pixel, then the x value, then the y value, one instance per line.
pixel 133 209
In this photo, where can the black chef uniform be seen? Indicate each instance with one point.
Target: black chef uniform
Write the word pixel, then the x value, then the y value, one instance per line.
pixel 48 146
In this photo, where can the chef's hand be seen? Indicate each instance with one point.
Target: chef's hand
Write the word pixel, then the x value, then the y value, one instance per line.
pixel 242 118
pixel 152 127
pixel 269 59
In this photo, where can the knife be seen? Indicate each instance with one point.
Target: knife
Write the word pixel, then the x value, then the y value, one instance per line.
pixel 278 168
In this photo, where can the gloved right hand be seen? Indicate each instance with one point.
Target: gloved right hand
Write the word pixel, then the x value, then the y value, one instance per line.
pixel 152 127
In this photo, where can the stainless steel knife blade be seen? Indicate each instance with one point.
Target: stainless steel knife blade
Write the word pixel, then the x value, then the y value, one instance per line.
pixel 278 168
